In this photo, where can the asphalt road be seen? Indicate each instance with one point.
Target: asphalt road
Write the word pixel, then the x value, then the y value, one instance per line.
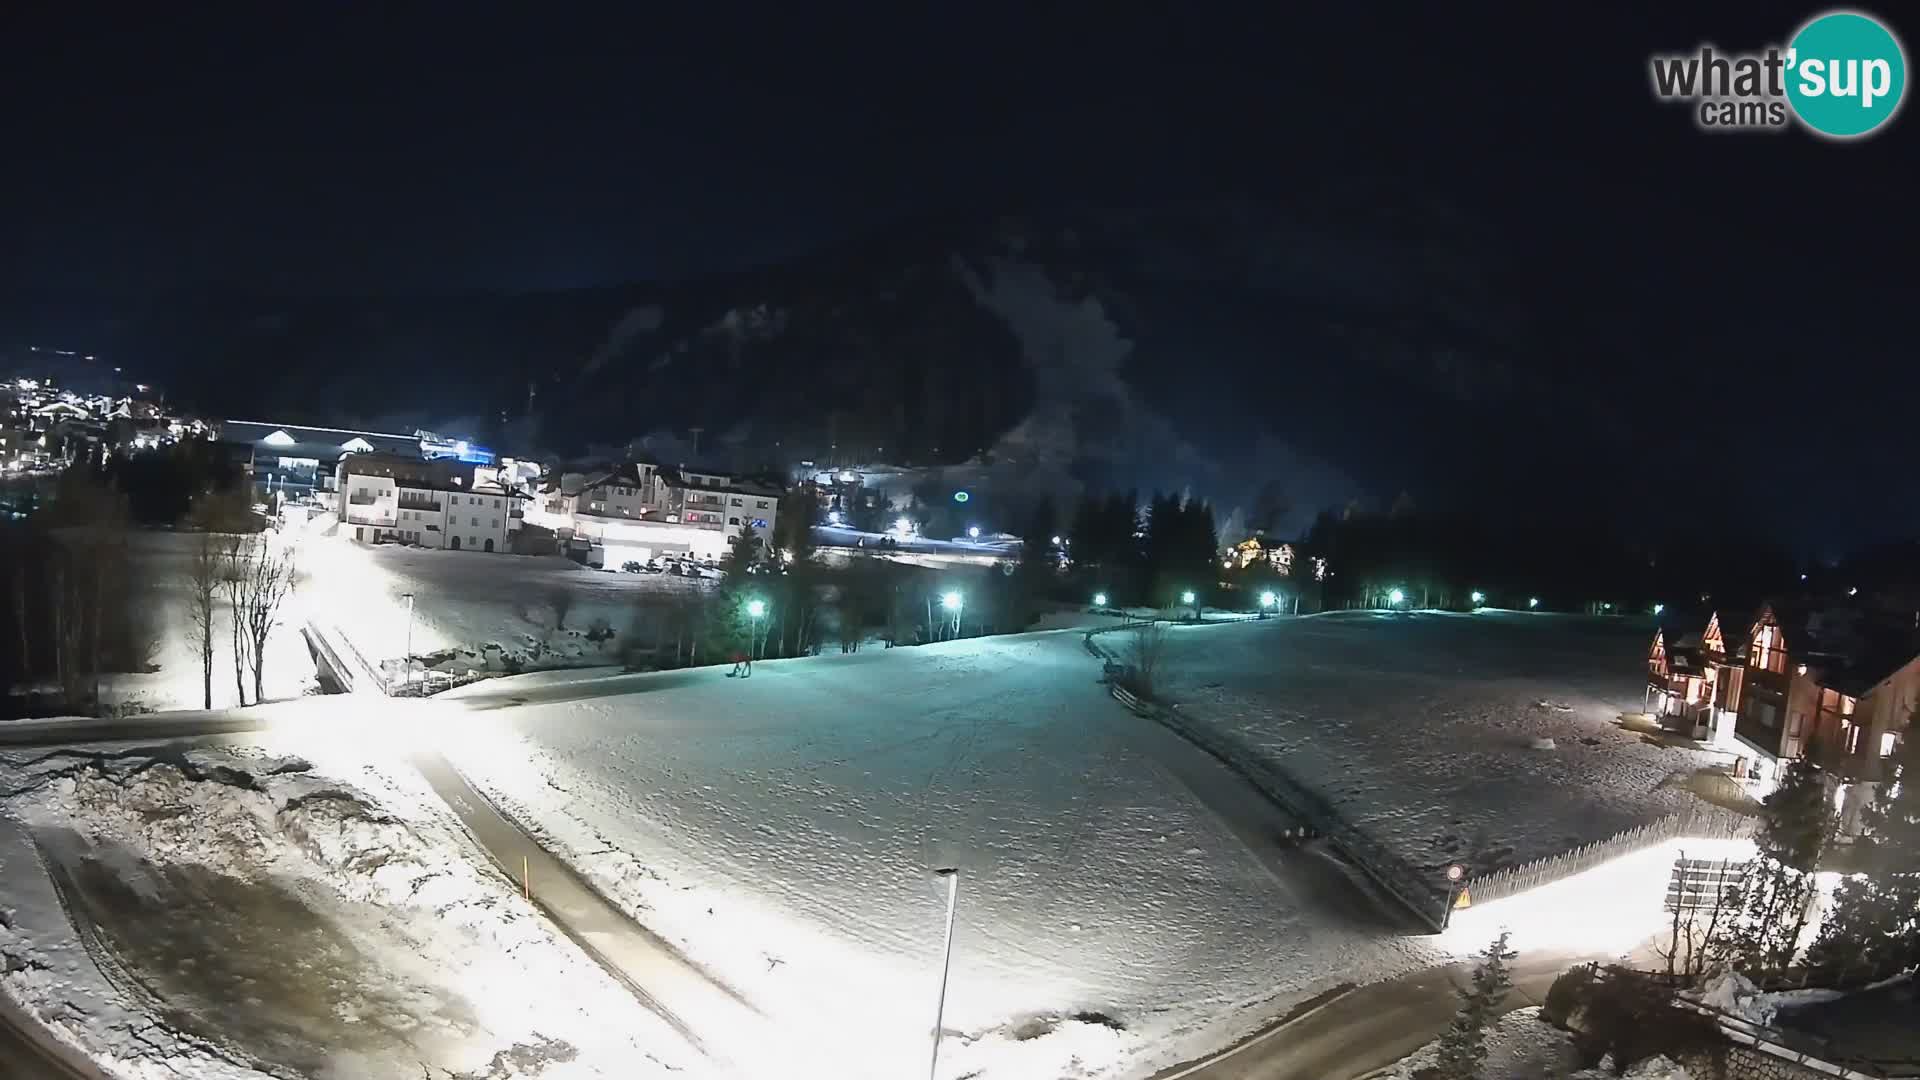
pixel 1371 1027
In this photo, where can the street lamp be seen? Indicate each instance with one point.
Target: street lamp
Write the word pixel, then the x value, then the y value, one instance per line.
pixel 952 874
pixel 1479 598
pixel 1658 608
pixel 755 609
pixel 1533 601
pixel 973 532
pixel 1395 597
pixel 1188 597
pixel 952 602
pixel 1267 600
pixel 407 680
pixel 1099 599
pixel 1454 874
pixel 1056 541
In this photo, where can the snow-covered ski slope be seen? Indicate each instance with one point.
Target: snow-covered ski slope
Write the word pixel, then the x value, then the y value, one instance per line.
pixel 781 829
pixel 1427 730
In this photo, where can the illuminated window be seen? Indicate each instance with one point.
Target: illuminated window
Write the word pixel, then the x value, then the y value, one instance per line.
pixel 1888 740
pixel 1767 652
pixel 1711 640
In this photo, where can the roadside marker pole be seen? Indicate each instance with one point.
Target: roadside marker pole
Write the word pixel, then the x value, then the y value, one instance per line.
pixel 526 880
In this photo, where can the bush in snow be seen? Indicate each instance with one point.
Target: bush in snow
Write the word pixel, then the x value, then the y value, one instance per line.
pixel 1464 1047
pixel 1626 1016
pixel 1146 658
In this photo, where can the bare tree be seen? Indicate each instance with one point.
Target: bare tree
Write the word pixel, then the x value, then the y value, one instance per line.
pixel 1146 657
pixel 237 583
pixel 560 599
pixel 23 620
pixel 270 576
pixel 204 573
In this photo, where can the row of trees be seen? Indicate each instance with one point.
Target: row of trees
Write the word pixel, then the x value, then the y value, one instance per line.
pixel 1139 555
pixel 76 599
pixel 779 599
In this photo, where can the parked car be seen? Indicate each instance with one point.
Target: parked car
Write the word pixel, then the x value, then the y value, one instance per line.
pixel 631 566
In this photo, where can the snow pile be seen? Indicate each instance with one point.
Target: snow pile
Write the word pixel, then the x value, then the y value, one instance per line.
pixel 1520 1046
pixel 1657 1067
pixel 353 941
pixel 1736 995
pixel 1427 731
pixel 1116 914
pixel 478 611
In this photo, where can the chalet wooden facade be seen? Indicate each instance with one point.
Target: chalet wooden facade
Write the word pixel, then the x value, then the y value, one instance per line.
pixel 1792 681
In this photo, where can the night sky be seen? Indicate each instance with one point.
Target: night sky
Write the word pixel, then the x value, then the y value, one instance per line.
pixel 1753 284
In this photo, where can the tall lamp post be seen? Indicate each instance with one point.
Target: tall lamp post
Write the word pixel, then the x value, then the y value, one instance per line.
pixel 407 678
pixel 952 874
pixel 952 601
pixel 1188 597
pixel 755 609
pixel 1454 874
pixel 1267 600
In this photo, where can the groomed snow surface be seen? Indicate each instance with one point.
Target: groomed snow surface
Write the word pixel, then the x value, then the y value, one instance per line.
pixel 246 912
pixel 1421 729
pixel 781 831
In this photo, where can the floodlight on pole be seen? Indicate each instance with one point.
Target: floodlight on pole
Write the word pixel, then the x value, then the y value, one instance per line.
pixel 1396 597
pixel 1479 597
pixel 755 609
pixel 951 601
pixel 1455 874
pixel 1267 599
pixel 1187 597
pixel 1533 601
pixel 1099 599
pixel 408 677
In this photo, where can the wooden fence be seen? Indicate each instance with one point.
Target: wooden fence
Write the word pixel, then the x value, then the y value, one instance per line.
pixel 1703 822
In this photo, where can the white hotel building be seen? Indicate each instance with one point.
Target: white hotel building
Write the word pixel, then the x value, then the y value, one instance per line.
pixel 389 498
pixel 641 510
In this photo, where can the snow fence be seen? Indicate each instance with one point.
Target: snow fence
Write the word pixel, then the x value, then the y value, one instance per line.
pixel 1702 822
pixel 1424 894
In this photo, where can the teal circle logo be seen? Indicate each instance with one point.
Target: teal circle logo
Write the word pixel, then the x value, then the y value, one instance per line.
pixel 1846 74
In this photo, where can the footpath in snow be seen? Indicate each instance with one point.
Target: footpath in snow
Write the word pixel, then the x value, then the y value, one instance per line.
pixel 1119 910
pixel 243 912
